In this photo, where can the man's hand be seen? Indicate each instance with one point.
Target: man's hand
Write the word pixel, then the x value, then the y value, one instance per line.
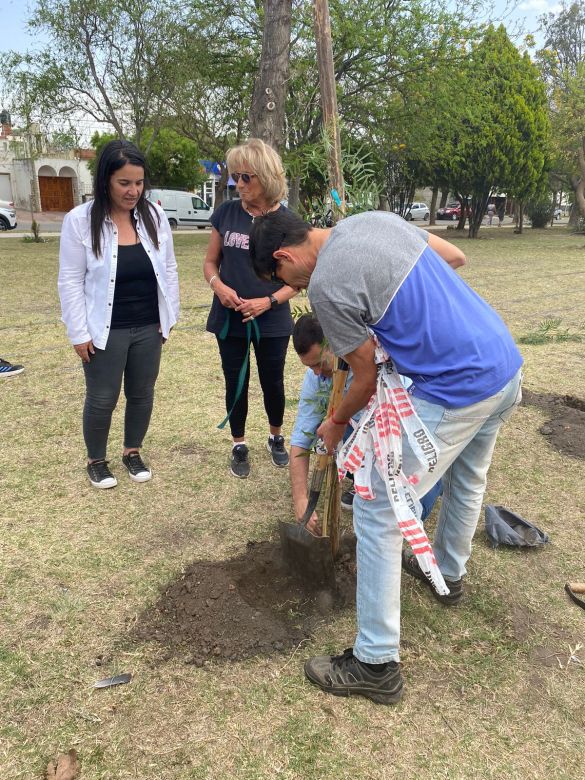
pixel 313 526
pixel 331 434
pixel 85 350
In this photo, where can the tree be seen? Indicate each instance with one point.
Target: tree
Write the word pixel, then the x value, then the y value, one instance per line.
pixel 562 61
pixel 266 118
pixel 173 160
pixel 111 59
pixel 500 138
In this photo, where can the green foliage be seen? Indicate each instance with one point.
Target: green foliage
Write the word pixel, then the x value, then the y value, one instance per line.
pixel 111 59
pixel 172 159
pixel 550 331
pixel 562 63
pixel 540 212
pixel 502 132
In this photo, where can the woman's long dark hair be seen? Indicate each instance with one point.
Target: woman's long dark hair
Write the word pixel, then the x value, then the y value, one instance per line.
pixel 114 156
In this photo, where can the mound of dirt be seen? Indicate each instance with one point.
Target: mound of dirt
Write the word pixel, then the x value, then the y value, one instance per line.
pixel 243 607
pixel 565 430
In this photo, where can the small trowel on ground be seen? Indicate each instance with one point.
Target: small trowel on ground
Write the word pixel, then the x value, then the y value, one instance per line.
pixel 308 556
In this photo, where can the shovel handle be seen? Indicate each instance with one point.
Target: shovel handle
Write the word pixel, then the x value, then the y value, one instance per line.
pixel 577 587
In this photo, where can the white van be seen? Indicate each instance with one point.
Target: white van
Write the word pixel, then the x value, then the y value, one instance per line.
pixel 182 208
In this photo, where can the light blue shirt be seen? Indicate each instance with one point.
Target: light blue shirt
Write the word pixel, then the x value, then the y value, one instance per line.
pixel 311 411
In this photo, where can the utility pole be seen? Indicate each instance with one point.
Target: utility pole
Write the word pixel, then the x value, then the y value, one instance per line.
pixel 331 509
pixel 329 102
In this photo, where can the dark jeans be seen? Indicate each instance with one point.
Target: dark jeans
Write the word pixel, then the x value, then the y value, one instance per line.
pixel 132 353
pixel 270 358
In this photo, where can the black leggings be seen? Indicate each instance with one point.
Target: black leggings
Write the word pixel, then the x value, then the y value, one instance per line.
pixel 131 353
pixel 270 359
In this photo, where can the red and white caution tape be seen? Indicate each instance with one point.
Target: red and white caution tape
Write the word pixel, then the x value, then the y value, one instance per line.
pixel 377 443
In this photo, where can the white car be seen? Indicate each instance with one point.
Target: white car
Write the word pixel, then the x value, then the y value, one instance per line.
pixel 417 211
pixel 7 215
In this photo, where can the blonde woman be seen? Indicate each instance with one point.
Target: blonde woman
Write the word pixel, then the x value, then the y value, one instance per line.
pixel 247 310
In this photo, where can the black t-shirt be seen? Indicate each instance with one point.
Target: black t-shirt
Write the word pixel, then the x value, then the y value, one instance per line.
pixel 135 294
pixel 233 224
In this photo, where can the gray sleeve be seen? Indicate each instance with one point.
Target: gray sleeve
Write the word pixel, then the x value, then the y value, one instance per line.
pixel 343 325
pixel 424 234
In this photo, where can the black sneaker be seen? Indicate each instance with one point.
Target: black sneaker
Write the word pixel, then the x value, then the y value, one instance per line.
pixel 100 475
pixel 240 465
pixel 276 448
pixel 344 675
pixel 347 498
pixel 7 369
pixel 410 565
pixel 137 471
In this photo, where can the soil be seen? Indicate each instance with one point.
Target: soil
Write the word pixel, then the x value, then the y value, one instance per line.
pixel 565 430
pixel 251 605
pixel 243 607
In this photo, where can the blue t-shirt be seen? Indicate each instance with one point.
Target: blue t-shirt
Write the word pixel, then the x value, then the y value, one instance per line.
pixel 448 340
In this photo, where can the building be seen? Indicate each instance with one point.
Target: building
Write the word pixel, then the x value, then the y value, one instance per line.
pixel 35 173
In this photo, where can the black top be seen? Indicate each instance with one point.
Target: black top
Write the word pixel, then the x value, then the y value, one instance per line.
pixel 135 294
pixel 233 224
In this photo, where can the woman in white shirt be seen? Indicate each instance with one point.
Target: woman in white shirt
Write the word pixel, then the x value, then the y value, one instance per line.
pixel 119 293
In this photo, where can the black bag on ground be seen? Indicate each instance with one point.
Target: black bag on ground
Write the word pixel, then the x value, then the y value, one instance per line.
pixel 503 526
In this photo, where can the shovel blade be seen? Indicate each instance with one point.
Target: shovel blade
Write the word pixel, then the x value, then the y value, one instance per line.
pixel 308 557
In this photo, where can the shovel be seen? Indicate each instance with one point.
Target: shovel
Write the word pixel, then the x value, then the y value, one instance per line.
pixel 310 557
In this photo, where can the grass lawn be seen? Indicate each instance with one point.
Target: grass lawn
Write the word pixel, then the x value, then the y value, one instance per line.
pixel 491 690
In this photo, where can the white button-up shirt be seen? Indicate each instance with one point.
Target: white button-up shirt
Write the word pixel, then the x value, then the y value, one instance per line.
pixel 86 282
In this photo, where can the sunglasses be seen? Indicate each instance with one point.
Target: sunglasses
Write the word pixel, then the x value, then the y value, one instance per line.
pixel 246 177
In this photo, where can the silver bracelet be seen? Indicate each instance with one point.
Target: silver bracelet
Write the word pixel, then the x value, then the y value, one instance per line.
pixel 213 278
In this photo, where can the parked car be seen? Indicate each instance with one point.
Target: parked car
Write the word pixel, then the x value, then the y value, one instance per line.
pixel 558 212
pixel 417 211
pixel 451 211
pixel 182 208
pixel 7 215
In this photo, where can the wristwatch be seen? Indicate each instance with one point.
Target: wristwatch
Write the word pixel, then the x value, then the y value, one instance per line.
pixel 273 302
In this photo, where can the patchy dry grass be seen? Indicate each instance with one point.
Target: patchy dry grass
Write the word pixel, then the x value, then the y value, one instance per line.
pixel 490 689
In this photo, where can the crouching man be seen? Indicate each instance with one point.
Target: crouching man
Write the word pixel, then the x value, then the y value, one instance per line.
pixel 374 274
pixel 310 345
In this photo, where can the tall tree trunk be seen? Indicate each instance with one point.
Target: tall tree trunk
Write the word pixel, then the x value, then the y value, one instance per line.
pixel 294 193
pixel 478 206
pixel 463 215
pixel 221 187
pixel 444 196
pixel 578 183
pixel 433 215
pixel 520 227
pixel 268 101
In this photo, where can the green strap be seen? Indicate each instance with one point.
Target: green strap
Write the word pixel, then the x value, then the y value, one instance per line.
pixel 250 325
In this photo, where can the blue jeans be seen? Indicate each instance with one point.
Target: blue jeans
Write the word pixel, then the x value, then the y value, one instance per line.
pixel 466 438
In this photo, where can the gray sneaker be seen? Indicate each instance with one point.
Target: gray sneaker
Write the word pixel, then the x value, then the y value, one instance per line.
pixel 239 464
pixel 344 675
pixel 278 451
pixel 410 565
pixel 347 498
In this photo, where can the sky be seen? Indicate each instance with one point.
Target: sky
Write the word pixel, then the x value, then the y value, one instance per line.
pixel 14 13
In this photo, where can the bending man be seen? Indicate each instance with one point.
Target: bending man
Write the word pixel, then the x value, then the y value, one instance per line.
pixel 376 273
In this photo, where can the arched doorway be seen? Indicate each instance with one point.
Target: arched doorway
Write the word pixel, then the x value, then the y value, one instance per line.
pixel 56 191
